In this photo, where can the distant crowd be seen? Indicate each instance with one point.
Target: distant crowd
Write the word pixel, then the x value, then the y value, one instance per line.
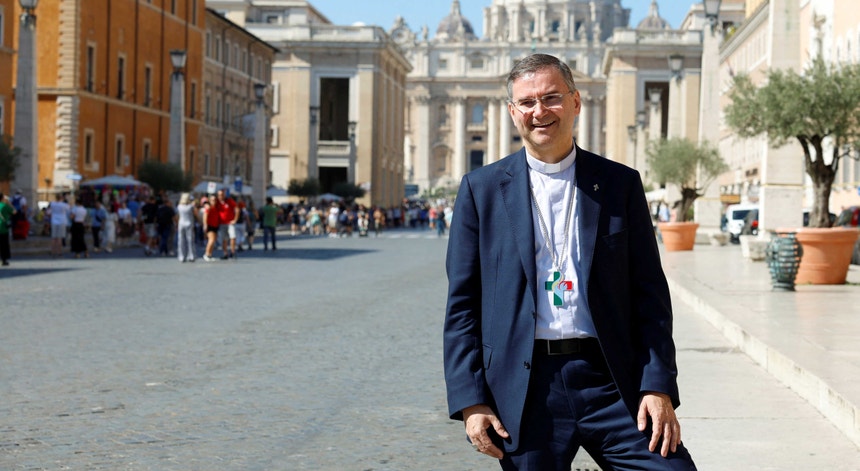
pixel 94 221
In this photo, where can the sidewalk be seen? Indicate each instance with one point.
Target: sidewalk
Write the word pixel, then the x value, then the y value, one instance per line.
pixel 807 339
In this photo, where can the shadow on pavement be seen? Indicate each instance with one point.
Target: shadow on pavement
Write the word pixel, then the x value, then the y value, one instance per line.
pixel 9 272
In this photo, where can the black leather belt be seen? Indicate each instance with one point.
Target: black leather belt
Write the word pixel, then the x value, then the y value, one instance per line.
pixel 565 346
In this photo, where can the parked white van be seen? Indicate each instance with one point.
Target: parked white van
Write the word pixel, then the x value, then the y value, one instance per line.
pixel 735 216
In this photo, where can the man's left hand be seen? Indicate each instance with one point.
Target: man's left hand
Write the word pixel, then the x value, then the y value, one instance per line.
pixel 659 408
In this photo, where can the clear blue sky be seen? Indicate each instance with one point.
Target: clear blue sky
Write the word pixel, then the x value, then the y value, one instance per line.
pixel 417 13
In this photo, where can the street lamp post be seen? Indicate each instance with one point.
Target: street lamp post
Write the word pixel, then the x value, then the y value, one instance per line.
pixel 176 141
pixel 350 177
pixel 313 169
pixel 633 137
pixel 260 173
pixel 708 207
pixel 655 95
pixel 26 119
pixel 676 66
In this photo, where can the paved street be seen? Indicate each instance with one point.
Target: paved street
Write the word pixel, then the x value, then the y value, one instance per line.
pixel 324 355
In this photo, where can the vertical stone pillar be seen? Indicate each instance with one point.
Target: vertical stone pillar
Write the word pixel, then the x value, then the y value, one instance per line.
pixel 421 162
pixel 493 119
pixel 782 172
pixel 459 165
pixel 504 132
pixel 583 136
pixel 26 113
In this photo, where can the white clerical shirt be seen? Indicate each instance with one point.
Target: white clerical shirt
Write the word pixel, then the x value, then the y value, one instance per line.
pixel 553 186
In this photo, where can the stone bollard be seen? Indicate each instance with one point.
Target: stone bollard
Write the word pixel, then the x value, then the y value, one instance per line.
pixel 753 248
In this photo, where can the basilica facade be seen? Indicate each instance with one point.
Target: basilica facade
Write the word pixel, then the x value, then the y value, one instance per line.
pixel 457 115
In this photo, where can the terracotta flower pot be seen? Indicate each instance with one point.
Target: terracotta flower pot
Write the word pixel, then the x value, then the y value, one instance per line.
pixel 826 255
pixel 678 235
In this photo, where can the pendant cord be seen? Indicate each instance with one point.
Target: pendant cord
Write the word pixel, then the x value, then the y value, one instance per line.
pixel 561 260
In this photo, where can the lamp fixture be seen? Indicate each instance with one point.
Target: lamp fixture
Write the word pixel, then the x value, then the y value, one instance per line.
pixel 654 96
pixel 28 5
pixel 676 63
pixel 178 57
pixel 259 90
pixel 712 10
pixel 640 118
pixel 631 132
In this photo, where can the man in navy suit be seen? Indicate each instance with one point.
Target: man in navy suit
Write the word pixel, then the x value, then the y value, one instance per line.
pixel 558 328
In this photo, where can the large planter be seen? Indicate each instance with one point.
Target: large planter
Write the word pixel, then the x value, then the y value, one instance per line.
pixel 678 235
pixel 826 255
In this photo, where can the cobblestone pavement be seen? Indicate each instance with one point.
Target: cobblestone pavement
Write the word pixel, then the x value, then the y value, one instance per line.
pixel 323 355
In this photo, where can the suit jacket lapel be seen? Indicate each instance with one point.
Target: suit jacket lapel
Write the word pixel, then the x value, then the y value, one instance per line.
pixel 514 187
pixel 590 187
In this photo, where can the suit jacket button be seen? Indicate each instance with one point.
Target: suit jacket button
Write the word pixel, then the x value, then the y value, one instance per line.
pixel 527 365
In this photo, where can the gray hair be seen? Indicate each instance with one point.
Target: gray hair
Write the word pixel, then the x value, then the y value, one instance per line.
pixel 536 62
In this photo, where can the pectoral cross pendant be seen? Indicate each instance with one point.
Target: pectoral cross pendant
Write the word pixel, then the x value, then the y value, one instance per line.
pixel 558 285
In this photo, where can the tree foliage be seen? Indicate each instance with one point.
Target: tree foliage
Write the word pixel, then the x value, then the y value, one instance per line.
pixel 684 163
pixel 348 191
pixel 304 188
pixel 819 108
pixel 164 176
pixel 8 159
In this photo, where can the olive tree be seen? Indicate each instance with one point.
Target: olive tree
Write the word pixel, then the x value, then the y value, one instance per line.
pixel 8 159
pixel 820 108
pixel 690 166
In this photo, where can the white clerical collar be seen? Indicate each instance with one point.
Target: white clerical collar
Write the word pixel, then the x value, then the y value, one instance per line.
pixel 546 168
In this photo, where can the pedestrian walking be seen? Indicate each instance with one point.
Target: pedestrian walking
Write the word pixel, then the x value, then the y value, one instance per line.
pixel 558 330
pixel 7 212
pixel 269 214
pixel 185 229
pixel 78 230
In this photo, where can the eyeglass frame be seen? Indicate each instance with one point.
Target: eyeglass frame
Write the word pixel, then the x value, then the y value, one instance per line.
pixel 541 100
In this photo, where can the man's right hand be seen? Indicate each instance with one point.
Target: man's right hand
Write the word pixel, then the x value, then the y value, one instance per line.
pixel 478 419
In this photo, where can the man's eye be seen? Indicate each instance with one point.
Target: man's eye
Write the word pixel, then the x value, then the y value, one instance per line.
pixel 527 103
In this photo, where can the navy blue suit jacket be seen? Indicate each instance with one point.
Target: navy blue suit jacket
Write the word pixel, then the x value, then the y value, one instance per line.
pixel 491 311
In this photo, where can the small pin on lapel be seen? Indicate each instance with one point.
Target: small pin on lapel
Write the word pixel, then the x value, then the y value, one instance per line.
pixel 596 187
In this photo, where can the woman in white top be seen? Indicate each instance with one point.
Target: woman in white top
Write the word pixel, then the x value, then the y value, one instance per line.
pixel 110 227
pixel 185 230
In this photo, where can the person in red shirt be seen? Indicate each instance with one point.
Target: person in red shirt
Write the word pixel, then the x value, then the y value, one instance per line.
pixel 228 215
pixel 211 223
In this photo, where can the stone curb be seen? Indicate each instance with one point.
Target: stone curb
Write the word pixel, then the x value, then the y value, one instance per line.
pixel 829 402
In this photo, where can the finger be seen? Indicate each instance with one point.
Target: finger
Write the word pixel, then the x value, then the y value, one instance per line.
pixel 668 440
pixel 641 417
pixel 656 431
pixel 499 428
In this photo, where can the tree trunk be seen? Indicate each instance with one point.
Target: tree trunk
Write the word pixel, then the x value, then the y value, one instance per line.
pixel 822 176
pixel 688 196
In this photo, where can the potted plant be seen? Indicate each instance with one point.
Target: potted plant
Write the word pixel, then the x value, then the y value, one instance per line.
pixel 692 167
pixel 820 109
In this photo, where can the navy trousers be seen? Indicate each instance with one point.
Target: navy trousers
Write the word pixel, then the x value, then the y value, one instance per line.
pixel 573 402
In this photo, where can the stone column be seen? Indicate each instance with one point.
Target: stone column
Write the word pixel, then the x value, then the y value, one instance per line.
pixel 26 113
pixel 708 207
pixel 493 120
pixel 504 132
pixel 459 163
pixel 782 173
pixel 583 135
pixel 421 162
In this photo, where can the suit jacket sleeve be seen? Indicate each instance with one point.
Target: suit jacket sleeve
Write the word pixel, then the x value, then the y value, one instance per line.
pixel 464 375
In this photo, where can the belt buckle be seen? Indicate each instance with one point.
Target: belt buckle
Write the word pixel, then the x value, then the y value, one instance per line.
pixel 549 349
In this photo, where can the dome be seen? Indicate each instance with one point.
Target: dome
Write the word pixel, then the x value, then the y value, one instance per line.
pixel 455 26
pixel 654 20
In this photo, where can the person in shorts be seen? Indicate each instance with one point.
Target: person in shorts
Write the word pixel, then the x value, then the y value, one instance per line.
pixel 228 215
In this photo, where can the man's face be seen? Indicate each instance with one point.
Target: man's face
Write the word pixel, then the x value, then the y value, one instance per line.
pixel 220 195
pixel 547 132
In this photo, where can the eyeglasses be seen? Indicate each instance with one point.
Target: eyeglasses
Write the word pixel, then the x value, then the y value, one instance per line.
pixel 553 100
